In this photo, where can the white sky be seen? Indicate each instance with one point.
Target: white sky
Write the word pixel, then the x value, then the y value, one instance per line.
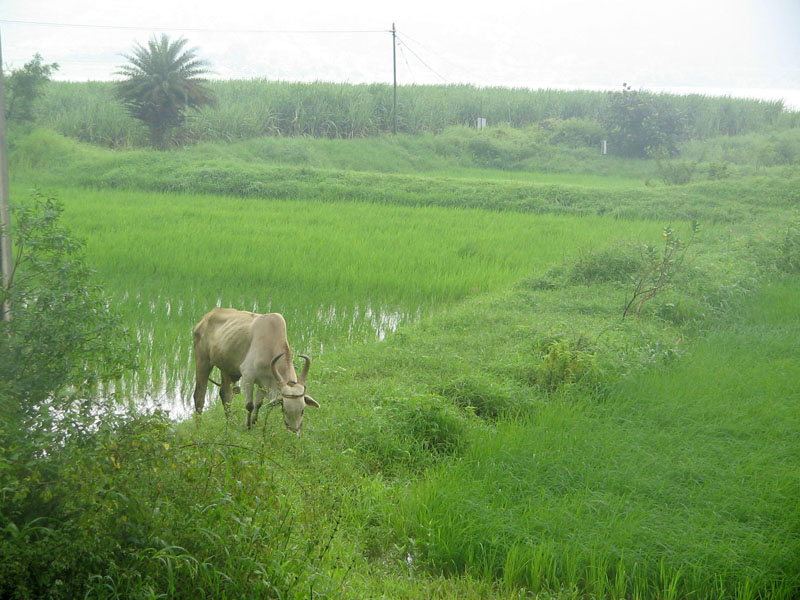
pixel 742 47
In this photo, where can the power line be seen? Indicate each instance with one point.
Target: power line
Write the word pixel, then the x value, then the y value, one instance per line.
pixel 426 65
pixel 410 70
pixel 440 56
pixel 193 29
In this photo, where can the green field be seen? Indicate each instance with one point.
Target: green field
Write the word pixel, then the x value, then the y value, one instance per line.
pixel 341 273
pixel 674 483
pixel 490 424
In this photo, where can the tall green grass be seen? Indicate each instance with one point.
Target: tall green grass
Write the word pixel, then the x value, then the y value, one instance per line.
pixel 254 108
pixel 683 483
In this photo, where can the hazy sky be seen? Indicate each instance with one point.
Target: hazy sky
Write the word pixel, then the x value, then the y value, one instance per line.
pixel 725 44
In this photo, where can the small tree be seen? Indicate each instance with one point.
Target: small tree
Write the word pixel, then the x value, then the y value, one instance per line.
pixel 659 268
pixel 162 81
pixel 639 123
pixel 63 338
pixel 25 85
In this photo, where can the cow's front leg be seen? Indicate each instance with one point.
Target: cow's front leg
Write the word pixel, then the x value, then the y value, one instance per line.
pixel 260 393
pixel 247 386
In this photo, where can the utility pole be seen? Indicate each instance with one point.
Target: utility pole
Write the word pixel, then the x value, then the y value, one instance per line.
pixel 5 213
pixel 394 66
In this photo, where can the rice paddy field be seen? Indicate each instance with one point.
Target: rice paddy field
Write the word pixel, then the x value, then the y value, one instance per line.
pixel 491 426
pixel 343 273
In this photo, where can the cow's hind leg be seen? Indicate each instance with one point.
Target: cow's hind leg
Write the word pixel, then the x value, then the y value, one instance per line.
pixel 202 372
pixel 226 393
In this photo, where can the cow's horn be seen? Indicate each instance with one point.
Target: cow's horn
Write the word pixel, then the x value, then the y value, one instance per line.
pixel 275 373
pixel 306 367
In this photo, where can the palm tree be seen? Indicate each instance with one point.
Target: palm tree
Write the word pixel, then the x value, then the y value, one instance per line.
pixel 161 82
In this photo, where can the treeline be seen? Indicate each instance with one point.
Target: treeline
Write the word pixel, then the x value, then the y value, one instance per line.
pixel 253 108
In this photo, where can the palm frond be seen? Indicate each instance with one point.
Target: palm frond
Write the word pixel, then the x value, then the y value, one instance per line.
pixel 161 81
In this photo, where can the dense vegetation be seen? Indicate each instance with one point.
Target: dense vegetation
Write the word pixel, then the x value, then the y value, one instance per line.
pixel 255 108
pixel 491 425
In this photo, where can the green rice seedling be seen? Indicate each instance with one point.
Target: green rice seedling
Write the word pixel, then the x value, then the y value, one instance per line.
pixel 338 272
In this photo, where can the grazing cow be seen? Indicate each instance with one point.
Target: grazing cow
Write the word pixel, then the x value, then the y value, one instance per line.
pixel 254 348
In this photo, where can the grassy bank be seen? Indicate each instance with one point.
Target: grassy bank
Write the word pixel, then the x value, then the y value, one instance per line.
pixel 675 485
pixel 250 171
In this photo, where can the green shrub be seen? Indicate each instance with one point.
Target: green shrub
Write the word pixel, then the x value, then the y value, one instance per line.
pixel 556 363
pixel 672 171
pixel 788 258
pixel 485 152
pixel 615 265
pixel 564 363
pixel 410 431
pixel 479 394
pixel 638 122
pixel 777 151
pixel 718 170
pixel 575 132
pixel 63 337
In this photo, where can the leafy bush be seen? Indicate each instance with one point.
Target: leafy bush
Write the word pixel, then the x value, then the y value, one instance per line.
pixel 411 431
pixel 481 395
pixel 575 132
pixel 672 171
pixel 564 363
pixel 638 122
pixel 61 342
pixel 63 338
pixel 612 265
pixel 777 151
pixel 718 170
pixel 788 251
pixel 556 363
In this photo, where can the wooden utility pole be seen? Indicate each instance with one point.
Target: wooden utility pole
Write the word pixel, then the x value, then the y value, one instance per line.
pixel 5 213
pixel 394 66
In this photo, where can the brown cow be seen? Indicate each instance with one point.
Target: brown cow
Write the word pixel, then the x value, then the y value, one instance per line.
pixel 252 347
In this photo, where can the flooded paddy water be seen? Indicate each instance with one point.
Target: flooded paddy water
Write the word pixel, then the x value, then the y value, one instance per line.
pixel 162 330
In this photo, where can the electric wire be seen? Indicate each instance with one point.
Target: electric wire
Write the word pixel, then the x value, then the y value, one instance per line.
pixel 438 55
pixel 193 29
pixel 426 65
pixel 403 54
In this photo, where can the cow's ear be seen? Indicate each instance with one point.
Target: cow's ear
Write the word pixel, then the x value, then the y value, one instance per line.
pixel 310 401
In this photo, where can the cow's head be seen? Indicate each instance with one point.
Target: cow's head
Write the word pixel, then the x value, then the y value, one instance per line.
pixel 293 395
